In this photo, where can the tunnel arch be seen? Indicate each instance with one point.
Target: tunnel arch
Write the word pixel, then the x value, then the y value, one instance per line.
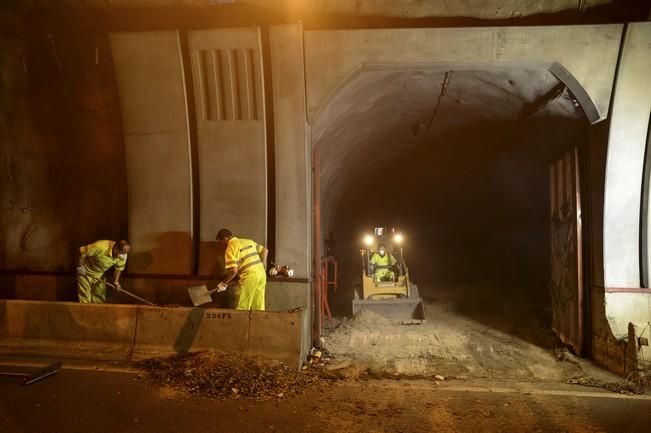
pixel 354 96
pixel 386 112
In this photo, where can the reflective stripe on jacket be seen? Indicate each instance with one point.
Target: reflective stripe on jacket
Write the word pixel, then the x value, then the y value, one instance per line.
pixel 244 254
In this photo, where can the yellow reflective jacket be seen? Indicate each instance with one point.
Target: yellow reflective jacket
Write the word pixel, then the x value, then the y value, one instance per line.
pixel 244 254
pixel 378 260
pixel 99 258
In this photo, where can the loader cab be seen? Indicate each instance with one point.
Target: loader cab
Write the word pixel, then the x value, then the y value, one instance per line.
pixel 391 242
pixel 389 271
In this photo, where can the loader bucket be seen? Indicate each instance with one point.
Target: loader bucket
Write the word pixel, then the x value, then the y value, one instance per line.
pixel 407 311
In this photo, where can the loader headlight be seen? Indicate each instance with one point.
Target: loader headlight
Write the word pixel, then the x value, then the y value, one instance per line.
pixel 397 238
pixel 368 240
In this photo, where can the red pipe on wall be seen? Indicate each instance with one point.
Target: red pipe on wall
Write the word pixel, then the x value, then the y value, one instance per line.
pixel 317 320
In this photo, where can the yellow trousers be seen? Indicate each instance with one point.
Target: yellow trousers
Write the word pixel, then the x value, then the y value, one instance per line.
pixel 91 289
pixel 250 291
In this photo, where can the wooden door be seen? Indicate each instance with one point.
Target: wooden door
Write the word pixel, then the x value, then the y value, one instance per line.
pixel 566 252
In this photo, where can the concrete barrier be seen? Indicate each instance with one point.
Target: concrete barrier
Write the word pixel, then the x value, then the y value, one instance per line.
pixel 67 329
pixel 163 331
pixel 277 334
pixel 126 332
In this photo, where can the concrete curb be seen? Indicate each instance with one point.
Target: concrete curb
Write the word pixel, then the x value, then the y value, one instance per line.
pixel 126 332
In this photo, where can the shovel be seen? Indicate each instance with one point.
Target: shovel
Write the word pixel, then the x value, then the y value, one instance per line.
pixel 121 290
pixel 201 295
pixel 41 374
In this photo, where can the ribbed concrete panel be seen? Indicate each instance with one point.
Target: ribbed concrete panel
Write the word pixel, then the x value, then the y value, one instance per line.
pixel 150 80
pixel 334 56
pixel 292 160
pixel 228 93
pixel 625 161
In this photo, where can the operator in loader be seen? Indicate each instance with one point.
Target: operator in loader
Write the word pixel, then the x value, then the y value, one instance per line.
pixel 94 260
pixel 247 259
pixel 383 263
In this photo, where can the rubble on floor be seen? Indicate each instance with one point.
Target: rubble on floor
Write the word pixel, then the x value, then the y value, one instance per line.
pixel 620 387
pixel 224 375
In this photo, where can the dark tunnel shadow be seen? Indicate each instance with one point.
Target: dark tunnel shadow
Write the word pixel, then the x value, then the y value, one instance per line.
pixel 475 222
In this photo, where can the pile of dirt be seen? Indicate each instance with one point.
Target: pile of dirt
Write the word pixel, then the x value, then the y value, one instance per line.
pixel 620 387
pixel 224 375
pixel 451 345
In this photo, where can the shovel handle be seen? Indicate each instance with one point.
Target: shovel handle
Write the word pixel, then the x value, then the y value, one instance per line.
pixel 129 294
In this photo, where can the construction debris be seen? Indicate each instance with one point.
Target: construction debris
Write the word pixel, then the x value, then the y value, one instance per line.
pixel 224 375
pixel 624 387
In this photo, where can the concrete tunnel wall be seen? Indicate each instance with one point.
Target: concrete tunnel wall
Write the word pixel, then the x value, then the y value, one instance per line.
pixel 145 186
pixel 151 177
pixel 343 95
pixel 467 185
pixel 61 160
pixel 231 146
pixel 355 55
pixel 627 148
pixel 232 169
pixel 332 58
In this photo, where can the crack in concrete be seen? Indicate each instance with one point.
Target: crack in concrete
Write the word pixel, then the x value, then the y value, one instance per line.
pixel 444 88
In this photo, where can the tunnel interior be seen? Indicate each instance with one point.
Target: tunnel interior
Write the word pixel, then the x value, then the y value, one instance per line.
pixel 458 161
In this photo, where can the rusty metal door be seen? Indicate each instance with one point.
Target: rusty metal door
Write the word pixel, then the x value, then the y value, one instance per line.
pixel 566 252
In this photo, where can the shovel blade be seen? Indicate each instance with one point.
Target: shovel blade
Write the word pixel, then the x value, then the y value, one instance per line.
pixel 199 295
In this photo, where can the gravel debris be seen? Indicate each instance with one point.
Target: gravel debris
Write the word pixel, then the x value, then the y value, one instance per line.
pixel 224 375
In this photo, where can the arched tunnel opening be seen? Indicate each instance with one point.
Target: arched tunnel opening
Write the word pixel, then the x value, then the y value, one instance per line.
pixel 459 162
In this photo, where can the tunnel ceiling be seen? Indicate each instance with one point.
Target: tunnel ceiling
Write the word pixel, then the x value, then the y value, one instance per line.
pixel 381 114
pixel 398 8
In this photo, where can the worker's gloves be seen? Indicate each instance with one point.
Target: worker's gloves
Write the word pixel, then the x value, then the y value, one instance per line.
pixel 81 270
pixel 117 285
pixel 221 287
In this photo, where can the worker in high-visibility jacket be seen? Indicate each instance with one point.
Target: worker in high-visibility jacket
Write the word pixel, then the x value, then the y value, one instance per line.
pixel 383 263
pixel 247 259
pixel 94 260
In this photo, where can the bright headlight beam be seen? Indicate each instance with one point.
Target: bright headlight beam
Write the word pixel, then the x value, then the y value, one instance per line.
pixel 368 240
pixel 397 238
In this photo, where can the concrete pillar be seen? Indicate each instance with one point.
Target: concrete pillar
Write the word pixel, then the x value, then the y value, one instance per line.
pixel 232 154
pixel 149 74
pixel 292 155
pixel 625 160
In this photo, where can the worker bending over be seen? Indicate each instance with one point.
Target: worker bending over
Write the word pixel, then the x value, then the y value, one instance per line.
pixel 94 260
pixel 247 259
pixel 383 263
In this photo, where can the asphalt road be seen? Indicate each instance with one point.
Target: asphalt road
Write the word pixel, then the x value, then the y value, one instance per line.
pixel 81 398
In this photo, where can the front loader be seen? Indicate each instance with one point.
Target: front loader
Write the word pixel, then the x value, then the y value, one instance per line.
pixel 395 296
